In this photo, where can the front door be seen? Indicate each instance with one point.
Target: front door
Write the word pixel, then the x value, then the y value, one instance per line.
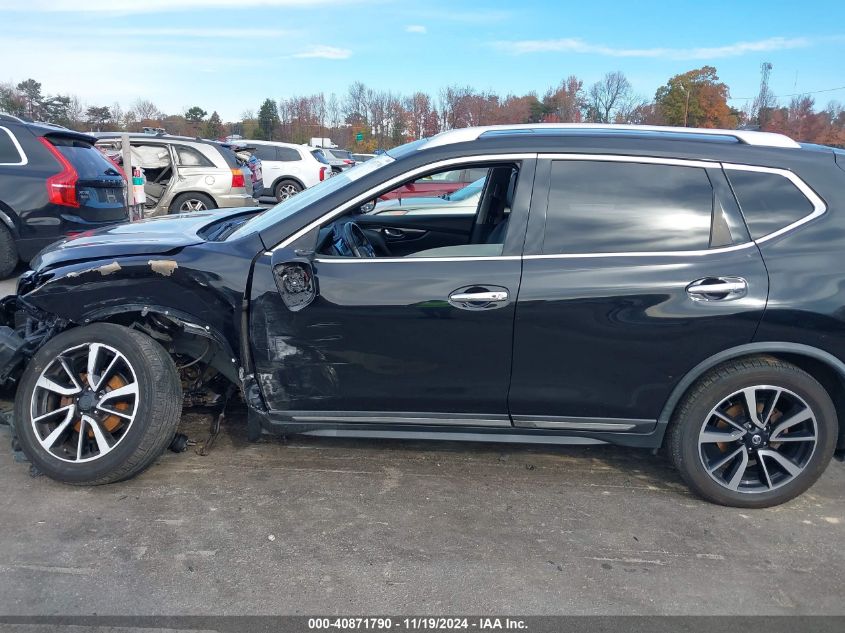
pixel 422 337
pixel 634 273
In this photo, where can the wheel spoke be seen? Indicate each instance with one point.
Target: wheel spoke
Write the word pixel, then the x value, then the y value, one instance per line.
pixel 750 395
pixel 121 392
pixel 801 416
pixel 49 385
pixel 772 406
pixel 787 464
pixel 738 471
pixel 80 442
pixel 102 443
pixel 53 437
pixel 733 423
pixel 51 414
pixel 93 354
pixel 713 468
pixel 713 437
pixel 794 438
pixel 120 414
pixel 765 470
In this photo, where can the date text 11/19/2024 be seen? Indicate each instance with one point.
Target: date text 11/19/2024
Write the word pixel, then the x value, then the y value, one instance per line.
pixel 417 624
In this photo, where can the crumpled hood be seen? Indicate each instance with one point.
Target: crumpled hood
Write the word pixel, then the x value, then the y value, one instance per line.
pixel 153 236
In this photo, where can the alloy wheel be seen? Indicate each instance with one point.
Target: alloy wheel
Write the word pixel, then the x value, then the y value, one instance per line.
pixel 84 403
pixel 192 204
pixel 758 439
pixel 287 191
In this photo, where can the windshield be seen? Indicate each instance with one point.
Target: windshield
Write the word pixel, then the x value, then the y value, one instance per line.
pixel 293 205
pixel 468 191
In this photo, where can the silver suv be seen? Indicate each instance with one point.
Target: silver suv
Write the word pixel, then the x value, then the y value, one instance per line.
pixel 185 174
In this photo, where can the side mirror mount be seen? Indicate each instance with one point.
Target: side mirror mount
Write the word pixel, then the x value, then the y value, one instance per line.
pixel 296 282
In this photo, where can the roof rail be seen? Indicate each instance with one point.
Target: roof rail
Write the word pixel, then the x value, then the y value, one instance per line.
pixel 463 135
pixel 5 116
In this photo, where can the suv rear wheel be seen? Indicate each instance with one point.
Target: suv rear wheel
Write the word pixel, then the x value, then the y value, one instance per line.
pixel 97 404
pixel 753 433
pixel 286 189
pixel 190 202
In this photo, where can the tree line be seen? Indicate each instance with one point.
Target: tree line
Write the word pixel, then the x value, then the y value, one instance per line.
pixel 364 119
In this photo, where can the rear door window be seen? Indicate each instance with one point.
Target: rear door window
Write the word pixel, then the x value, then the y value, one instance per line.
pixel 620 207
pixel 287 154
pixel 9 152
pixel 769 201
pixel 265 152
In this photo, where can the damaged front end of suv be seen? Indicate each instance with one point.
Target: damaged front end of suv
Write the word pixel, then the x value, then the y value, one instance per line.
pixel 155 306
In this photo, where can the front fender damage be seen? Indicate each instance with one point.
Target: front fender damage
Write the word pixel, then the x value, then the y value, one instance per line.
pixel 23 330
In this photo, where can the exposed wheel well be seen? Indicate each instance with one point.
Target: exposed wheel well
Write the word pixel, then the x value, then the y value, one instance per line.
pixel 823 370
pixel 205 363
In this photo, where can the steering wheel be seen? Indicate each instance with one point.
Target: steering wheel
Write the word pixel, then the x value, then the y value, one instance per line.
pixel 356 240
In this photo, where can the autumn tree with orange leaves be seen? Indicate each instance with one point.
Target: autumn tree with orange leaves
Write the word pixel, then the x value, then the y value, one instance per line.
pixel 696 99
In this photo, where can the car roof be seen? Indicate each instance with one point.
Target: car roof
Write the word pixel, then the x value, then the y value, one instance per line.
pixel 746 137
pixel 279 143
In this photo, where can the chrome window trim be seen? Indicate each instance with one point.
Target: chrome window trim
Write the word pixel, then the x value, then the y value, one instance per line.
pixel 698 253
pixel 624 158
pixel 24 159
pixel 819 206
pixel 359 199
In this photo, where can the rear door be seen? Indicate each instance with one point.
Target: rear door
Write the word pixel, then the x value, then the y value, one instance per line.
pixel 635 271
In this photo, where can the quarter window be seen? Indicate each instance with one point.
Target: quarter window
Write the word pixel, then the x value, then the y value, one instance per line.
pixel 9 154
pixel 616 207
pixel 189 157
pixel 769 202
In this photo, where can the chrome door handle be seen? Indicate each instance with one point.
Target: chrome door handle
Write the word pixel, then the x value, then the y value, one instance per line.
pixel 718 289
pixel 496 296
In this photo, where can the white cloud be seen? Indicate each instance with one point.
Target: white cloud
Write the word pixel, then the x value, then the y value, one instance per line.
pixel 416 28
pixel 576 45
pixel 324 52
pixel 148 6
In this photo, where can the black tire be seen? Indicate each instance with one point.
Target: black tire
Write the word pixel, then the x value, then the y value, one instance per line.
pixel 156 417
pixel 720 383
pixel 9 257
pixel 285 189
pixel 196 198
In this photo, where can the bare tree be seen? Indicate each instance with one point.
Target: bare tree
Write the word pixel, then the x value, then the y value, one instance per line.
pixel 607 96
pixel 146 110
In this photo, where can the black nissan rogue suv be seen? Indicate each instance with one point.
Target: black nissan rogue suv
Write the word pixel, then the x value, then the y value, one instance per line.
pixel 53 182
pixel 647 287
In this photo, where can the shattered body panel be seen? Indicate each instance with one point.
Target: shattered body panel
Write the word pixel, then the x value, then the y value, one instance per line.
pixel 166 276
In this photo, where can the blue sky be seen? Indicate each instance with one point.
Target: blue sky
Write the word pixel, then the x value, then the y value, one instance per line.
pixel 231 54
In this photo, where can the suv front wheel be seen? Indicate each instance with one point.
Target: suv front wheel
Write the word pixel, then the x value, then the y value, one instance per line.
pixel 753 433
pixel 97 404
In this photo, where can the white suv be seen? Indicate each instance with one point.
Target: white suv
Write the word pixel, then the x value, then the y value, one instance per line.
pixel 289 168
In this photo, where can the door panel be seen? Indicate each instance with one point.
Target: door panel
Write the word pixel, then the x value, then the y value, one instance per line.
pixel 383 336
pixel 610 337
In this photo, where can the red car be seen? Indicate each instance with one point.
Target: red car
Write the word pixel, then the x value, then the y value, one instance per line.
pixel 437 184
